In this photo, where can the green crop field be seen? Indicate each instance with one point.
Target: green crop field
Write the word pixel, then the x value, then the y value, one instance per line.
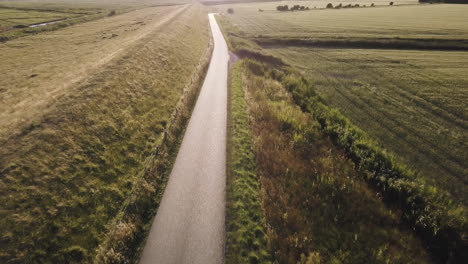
pixel 413 102
pixel 414 21
pixel 83 109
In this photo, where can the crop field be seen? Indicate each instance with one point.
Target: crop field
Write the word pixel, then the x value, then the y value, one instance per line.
pixel 81 114
pixel 388 86
pixel 412 101
pixel 269 6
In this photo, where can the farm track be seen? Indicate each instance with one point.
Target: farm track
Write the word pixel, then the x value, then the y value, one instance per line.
pixel 39 95
pixel 189 224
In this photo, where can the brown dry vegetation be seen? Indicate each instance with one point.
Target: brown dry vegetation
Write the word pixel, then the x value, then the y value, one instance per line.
pixel 76 136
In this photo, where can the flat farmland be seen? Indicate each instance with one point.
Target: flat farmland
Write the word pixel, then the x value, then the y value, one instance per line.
pixel 413 102
pixel 406 21
pixel 411 98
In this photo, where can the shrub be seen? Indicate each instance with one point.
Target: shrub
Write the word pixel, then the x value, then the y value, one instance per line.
pixel 230 11
pixel 330 5
pixel 112 13
pixel 372 5
pixel 260 10
pixel 391 3
pixel 297 7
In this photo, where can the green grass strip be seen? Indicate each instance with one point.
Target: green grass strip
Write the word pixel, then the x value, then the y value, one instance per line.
pixel 245 239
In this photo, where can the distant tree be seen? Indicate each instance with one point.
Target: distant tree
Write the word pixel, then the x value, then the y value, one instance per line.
pixel 330 5
pixel 372 5
pixel 297 7
pixel 282 8
pixel 391 3
pixel 230 11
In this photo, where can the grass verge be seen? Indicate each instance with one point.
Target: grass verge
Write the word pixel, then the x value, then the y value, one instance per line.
pixel 245 239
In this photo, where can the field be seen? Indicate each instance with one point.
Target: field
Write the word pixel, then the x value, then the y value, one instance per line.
pixel 378 22
pixel 396 78
pixel 81 115
pixel 413 102
pixel 22 18
pixel 268 5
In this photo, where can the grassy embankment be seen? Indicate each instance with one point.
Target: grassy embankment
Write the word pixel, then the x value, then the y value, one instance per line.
pixel 88 167
pixel 245 224
pixel 438 220
pixel 412 102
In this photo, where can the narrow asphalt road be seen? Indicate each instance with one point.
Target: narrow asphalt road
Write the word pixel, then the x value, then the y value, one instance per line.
pixel 189 225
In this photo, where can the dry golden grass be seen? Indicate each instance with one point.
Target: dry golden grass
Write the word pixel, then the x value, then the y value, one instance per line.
pixel 39 70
